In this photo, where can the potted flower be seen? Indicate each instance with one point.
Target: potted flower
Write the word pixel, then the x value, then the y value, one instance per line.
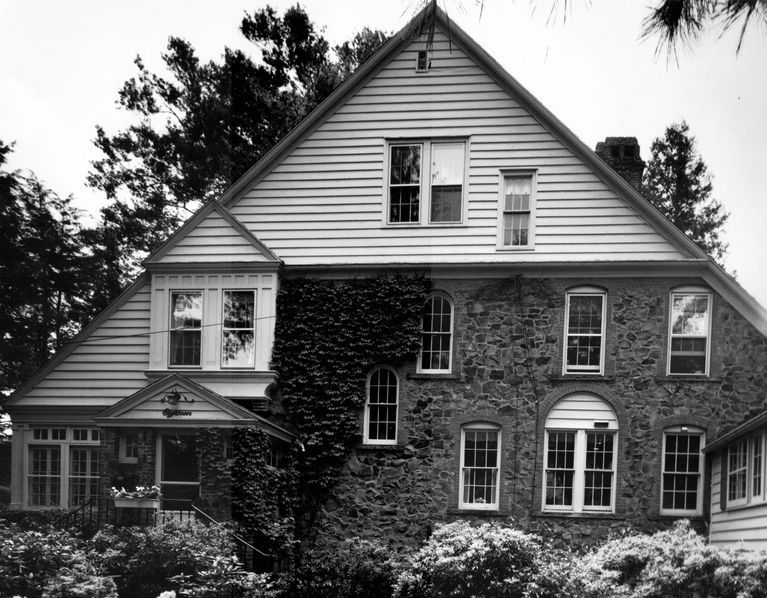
pixel 143 497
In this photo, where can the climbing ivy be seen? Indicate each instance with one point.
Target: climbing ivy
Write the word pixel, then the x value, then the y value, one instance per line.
pixel 328 337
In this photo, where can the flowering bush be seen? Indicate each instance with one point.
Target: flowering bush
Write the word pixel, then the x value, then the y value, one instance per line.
pixel 141 492
pixel 486 560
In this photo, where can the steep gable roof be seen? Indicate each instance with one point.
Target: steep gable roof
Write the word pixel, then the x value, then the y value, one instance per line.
pixel 211 235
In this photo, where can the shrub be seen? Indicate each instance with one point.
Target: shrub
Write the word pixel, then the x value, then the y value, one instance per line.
pixel 487 560
pixel 356 569
pixel 49 562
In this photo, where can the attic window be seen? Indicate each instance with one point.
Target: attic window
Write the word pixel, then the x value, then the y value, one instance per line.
pixel 422 62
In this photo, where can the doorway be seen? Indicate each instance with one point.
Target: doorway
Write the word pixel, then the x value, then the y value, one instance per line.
pixel 179 471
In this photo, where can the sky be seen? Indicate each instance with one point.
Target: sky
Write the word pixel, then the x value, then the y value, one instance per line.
pixel 62 64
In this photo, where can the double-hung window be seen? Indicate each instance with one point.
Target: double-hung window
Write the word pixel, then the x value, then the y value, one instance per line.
pixel 682 475
pixel 437 335
pixel 239 329
pixel 580 456
pixel 744 471
pixel 381 408
pixel 690 332
pixel 185 328
pixel 426 180
pixel 585 326
pixel 480 466
pixel 517 204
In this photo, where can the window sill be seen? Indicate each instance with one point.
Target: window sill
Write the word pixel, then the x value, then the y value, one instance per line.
pixel 528 248
pixel 387 448
pixel 478 512
pixel 687 378
pixel 417 225
pixel 670 517
pixel 582 378
pixel 425 376
pixel 587 515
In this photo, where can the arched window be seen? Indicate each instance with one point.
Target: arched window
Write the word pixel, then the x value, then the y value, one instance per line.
pixel 437 336
pixel 381 407
pixel 480 466
pixel 581 446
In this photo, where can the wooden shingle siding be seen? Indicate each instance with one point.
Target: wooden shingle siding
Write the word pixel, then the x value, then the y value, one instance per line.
pixel 325 202
pixel 104 367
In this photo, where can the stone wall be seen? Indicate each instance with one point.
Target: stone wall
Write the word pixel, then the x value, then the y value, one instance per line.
pixel 508 369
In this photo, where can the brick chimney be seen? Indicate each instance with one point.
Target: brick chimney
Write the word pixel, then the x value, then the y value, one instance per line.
pixel 622 154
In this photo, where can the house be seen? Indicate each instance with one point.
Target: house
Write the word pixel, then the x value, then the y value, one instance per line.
pixel 578 352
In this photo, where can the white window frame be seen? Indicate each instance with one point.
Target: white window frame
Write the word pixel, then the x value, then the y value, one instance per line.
pixel 682 291
pixel 124 457
pixel 579 471
pixel 480 427
pixel 225 329
pixel 64 441
pixel 366 439
pixel 575 369
pixel 740 450
pixel 171 329
pixel 425 182
pixel 754 445
pixel 419 367
pixel 688 431
pixel 531 174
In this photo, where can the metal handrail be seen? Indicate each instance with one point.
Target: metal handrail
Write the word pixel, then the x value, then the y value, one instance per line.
pixel 235 536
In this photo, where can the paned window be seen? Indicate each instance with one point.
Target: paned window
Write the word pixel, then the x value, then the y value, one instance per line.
pixel 579 460
pixel 689 334
pixel 426 177
pixel 585 327
pixel 44 476
pixel 186 328
pixel 83 475
pixel 239 331
pixel 756 466
pixel 737 473
pixel 681 486
pixel 381 408
pixel 129 446
pixel 480 466
pixel 516 211
pixel 437 337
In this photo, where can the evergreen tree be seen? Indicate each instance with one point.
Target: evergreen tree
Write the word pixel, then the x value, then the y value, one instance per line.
pixel 676 181
pixel 43 293
pixel 201 126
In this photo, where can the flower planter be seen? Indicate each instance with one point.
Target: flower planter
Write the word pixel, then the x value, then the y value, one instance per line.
pixel 137 503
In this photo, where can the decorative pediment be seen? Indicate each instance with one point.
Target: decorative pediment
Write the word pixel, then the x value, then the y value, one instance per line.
pixel 175 401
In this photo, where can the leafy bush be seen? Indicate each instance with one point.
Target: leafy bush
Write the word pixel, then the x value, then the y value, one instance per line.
pixel 189 557
pixel 675 562
pixel 356 569
pixel 49 562
pixel 487 560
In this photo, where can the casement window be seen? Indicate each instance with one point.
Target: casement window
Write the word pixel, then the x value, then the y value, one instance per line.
pixel 62 467
pixel 128 446
pixel 381 407
pixel 743 471
pixel 585 326
pixel 426 181
pixel 437 335
pixel 239 329
pixel 185 328
pixel 516 210
pixel 579 458
pixel 682 475
pixel 690 331
pixel 480 466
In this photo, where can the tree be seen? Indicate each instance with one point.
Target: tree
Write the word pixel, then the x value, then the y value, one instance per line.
pixel 676 181
pixel 43 293
pixel 202 125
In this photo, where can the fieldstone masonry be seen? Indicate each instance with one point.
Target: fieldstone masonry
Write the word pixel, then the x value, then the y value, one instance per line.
pixel 508 369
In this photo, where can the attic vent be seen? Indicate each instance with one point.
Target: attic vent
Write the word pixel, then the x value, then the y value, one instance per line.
pixel 422 63
pixel 601 424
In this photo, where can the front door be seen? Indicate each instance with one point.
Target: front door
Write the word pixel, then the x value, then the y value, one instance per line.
pixel 179 471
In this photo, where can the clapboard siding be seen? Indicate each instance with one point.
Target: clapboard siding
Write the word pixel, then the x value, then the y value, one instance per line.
pixel 580 411
pixel 324 203
pixel 106 366
pixel 741 525
pixel 213 240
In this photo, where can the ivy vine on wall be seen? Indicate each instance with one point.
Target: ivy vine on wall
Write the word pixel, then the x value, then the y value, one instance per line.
pixel 328 337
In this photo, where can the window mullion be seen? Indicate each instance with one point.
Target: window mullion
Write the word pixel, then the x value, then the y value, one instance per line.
pixel 579 477
pixel 64 472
